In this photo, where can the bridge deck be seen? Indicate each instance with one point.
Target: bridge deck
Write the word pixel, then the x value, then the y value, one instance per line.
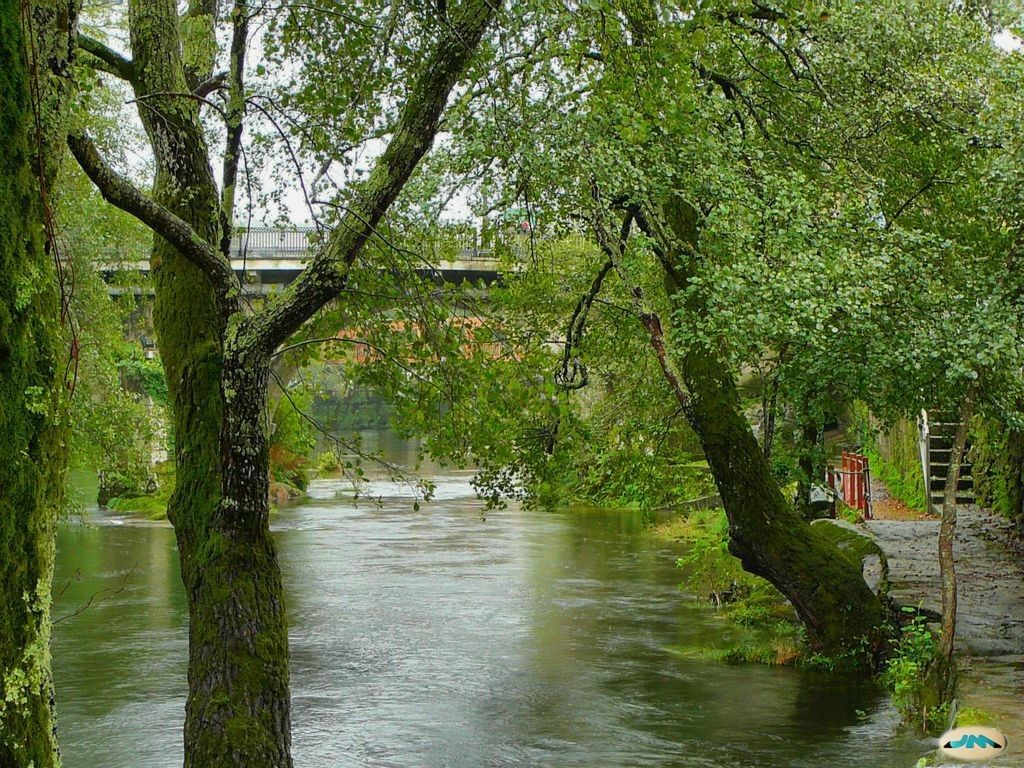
pixel 267 259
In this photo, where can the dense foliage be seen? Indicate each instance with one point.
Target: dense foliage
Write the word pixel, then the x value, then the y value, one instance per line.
pixel 711 215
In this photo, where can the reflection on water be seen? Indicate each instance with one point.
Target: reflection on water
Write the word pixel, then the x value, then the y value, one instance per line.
pixel 440 638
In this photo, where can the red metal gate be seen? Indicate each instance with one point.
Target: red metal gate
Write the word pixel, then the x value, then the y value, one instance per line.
pixel 852 480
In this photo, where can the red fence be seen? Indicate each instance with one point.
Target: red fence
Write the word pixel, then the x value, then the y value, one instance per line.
pixel 852 480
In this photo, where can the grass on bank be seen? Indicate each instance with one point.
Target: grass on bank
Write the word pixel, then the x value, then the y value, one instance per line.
pixel 764 627
pixel 288 481
pixel 150 507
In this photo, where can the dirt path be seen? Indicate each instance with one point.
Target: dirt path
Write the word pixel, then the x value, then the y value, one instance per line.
pixel 990 620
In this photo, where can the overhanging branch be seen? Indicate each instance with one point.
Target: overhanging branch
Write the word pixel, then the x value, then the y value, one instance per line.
pixel 414 133
pixel 107 59
pixel 121 193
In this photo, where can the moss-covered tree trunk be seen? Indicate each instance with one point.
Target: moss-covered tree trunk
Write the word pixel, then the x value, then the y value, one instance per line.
pixel 217 354
pixel 34 55
pixel 825 585
pixel 238 709
pixel 769 536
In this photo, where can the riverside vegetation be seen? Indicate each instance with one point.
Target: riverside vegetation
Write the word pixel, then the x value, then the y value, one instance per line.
pixel 737 222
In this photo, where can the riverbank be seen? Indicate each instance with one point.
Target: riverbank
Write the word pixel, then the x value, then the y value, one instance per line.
pixel 759 625
pixel 990 626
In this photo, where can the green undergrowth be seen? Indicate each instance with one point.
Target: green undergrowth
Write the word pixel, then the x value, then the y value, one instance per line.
pixel 848 513
pixel 761 626
pixel 904 676
pixel 908 488
pixel 151 506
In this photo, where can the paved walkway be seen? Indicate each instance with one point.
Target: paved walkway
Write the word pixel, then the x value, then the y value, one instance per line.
pixel 990 616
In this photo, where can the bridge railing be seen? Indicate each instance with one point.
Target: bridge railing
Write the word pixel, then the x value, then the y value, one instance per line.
pixel 454 243
pixel 447 243
pixel 257 241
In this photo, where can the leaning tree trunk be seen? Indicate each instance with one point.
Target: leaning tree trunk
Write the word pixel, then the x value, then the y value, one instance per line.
pixel 769 536
pixel 841 614
pixel 238 709
pixel 33 94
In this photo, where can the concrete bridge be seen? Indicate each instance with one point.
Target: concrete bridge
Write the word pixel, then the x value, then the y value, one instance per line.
pixel 266 259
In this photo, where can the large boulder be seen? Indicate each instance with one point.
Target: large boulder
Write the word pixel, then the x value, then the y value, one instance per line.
pixel 847 537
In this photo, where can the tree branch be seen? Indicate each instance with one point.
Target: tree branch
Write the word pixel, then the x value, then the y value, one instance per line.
pixel 573 372
pixel 107 59
pixel 931 181
pixel 652 324
pixel 414 133
pixel 210 84
pixel 235 118
pixel 121 193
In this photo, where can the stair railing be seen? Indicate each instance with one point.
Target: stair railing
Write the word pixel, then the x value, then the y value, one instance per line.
pixel 924 449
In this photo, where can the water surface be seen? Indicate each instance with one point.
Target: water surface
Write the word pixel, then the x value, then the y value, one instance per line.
pixel 444 638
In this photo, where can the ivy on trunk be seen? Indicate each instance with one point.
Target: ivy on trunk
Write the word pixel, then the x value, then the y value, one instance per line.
pixel 34 58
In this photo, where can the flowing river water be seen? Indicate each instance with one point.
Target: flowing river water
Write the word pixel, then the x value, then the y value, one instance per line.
pixel 442 637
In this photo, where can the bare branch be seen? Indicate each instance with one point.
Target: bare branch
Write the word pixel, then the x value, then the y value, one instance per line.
pixel 235 121
pixel 573 373
pixel 109 591
pixel 210 85
pixel 121 193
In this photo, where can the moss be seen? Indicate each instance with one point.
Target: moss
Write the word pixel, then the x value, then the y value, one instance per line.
pixel 975 716
pixel 32 452
pixel 845 537
pixel 150 507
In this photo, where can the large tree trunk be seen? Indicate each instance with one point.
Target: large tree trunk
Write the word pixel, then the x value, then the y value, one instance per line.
pixel 772 540
pixel 31 443
pixel 842 616
pixel 238 710
pixel 217 359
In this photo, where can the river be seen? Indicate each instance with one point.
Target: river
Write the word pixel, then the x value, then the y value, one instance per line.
pixel 443 637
